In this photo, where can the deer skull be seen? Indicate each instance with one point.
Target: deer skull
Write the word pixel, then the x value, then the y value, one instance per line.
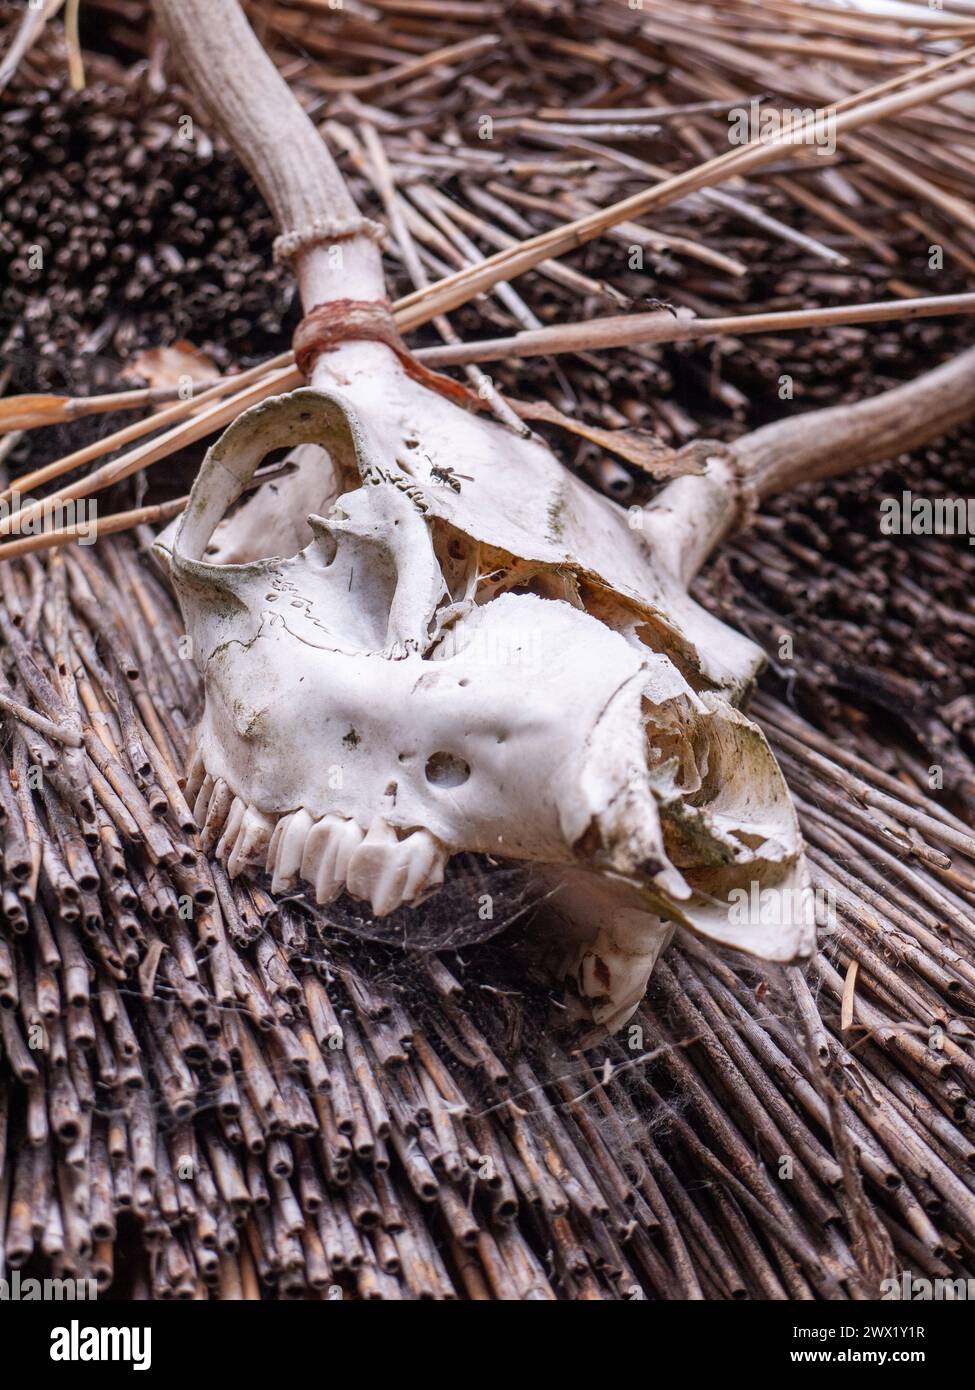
pixel 476 652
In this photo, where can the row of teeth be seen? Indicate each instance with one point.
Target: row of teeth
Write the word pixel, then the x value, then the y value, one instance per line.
pixel 332 854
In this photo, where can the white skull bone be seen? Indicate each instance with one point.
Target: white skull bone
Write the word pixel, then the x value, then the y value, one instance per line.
pixel 436 672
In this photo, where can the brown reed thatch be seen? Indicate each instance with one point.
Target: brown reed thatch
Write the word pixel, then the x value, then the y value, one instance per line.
pixel 204 1092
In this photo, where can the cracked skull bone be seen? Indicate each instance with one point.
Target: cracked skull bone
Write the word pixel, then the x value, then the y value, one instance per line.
pixel 437 671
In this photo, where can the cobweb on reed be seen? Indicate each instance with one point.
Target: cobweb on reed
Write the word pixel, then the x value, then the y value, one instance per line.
pixel 480 898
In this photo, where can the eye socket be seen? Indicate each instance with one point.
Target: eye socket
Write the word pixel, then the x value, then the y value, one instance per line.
pixel 446 770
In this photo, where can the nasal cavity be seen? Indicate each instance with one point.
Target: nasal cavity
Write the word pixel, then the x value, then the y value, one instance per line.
pixel 446 770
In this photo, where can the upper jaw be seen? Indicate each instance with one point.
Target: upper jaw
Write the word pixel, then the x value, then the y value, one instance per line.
pixel 607 763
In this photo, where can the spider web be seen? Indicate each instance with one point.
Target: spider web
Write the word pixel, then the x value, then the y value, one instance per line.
pixel 480 898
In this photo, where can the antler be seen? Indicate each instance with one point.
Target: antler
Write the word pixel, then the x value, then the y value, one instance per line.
pixel 222 62
pixel 691 515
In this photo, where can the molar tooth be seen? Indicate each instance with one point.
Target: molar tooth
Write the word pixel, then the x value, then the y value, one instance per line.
pixel 328 848
pixel 220 804
pixel 426 859
pixel 252 841
pixel 611 982
pixel 333 877
pixel 234 818
pixel 275 845
pixel 389 872
pixel 203 800
pixel 314 848
pixel 593 978
pixel 290 849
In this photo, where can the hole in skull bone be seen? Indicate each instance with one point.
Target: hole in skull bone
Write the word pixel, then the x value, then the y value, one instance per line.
pixel 446 770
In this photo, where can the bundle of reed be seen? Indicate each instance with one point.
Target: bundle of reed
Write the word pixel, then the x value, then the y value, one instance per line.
pixel 204 1092
pixel 871 633
pixel 246 1103
pixel 488 151
pixel 277 1112
pixel 110 241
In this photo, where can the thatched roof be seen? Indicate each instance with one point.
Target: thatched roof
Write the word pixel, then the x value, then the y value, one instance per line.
pixel 207 1092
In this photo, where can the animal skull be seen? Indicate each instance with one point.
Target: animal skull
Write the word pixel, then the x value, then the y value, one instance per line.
pixel 473 651
pixel 360 724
